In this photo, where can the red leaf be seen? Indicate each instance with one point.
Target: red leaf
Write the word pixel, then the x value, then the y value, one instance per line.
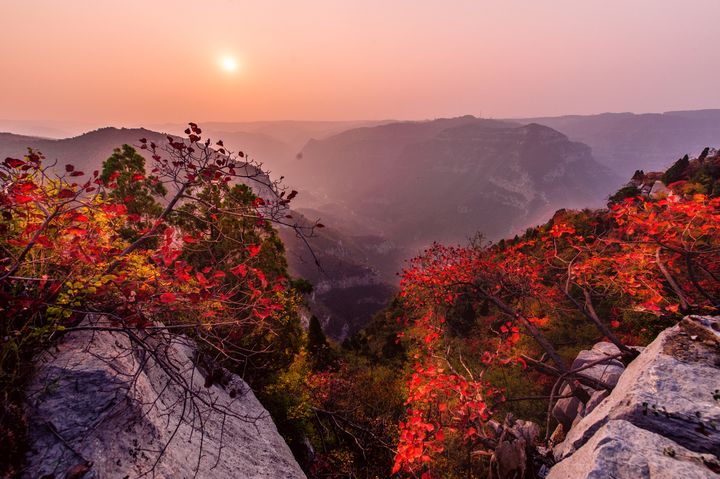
pixel 167 298
pixel 201 279
pixel 262 278
pixel 76 231
pixel 13 162
pixel 44 241
pixel 262 313
pixel 66 193
pixel 239 270
pixel 24 187
pixel 21 199
pixel 254 249
pixel 69 168
pixel 673 308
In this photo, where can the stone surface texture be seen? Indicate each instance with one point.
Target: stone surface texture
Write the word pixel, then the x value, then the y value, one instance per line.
pixel 621 450
pixel 661 420
pixel 108 404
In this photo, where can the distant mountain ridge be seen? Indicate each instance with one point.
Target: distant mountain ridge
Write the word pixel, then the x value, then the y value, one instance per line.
pixel 86 151
pixel 628 141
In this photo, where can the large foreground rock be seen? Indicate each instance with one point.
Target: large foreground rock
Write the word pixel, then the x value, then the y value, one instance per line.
pixel 620 450
pixel 670 389
pixel 662 419
pixel 107 404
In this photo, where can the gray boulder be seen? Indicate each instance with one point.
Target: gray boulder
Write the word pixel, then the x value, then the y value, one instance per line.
pixel 109 404
pixel 671 390
pixel 567 410
pixel 658 190
pixel 620 450
pixel 609 371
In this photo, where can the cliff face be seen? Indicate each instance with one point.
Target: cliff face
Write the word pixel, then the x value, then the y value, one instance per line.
pixel 661 420
pixel 106 404
pixel 347 288
pixel 626 141
pixel 444 180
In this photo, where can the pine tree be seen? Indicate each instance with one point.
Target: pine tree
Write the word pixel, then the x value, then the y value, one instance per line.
pixel 126 168
pixel 318 346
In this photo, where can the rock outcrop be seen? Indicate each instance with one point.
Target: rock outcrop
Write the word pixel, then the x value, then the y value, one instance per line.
pixel 621 450
pixel 107 403
pixel 606 369
pixel 662 419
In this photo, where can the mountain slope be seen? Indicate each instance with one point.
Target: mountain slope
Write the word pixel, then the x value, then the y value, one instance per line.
pixel 86 152
pixel 348 288
pixel 444 180
pixel 626 141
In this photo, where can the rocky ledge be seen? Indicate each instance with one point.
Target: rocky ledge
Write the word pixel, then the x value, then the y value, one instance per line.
pixel 662 418
pixel 108 403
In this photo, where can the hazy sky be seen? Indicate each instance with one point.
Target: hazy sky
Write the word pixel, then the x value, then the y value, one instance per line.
pixel 142 61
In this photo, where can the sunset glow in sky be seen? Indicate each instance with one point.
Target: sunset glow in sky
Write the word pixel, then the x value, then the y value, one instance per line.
pixel 135 61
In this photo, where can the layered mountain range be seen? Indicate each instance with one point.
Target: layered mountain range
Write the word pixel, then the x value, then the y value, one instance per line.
pixel 385 190
pixel 626 141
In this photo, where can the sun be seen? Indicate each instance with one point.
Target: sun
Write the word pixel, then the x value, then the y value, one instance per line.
pixel 229 64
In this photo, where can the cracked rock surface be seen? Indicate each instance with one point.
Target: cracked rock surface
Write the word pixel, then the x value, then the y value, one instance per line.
pixel 106 404
pixel 661 420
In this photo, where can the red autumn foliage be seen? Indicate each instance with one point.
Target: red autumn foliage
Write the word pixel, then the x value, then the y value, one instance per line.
pixel 658 258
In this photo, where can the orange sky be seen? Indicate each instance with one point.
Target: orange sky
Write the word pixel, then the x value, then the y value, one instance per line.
pixel 133 62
